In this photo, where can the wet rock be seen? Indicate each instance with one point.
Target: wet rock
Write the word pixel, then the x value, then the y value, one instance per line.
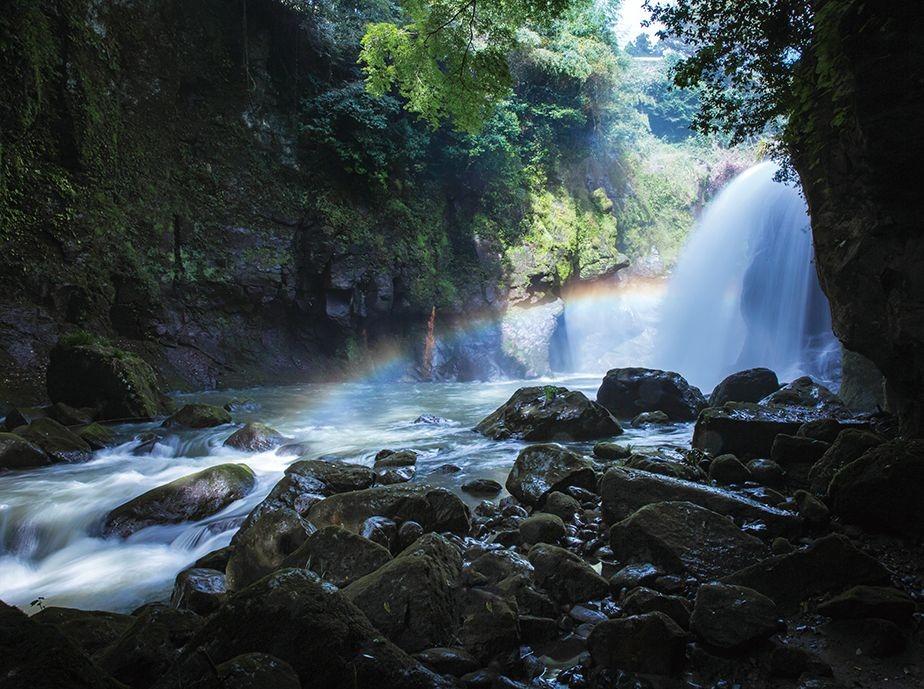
pixel 262 545
pixel 326 640
pixel 566 577
pixel 255 437
pixel 39 656
pixel 309 481
pixel 766 472
pixel 542 528
pixel 448 660
pixel 751 385
pixel 381 530
pixel 199 590
pixel 651 644
pixel 791 662
pixel 186 499
pixel 67 415
pixel 611 451
pixel 882 489
pixel 625 491
pixel 22 416
pixel 650 418
pixel 541 469
pixel 828 564
pixel 811 509
pixel 217 559
pixel 664 461
pixel 432 420
pixel 797 455
pixel 529 599
pixel 561 505
pixel 257 671
pixel 727 469
pixel 642 600
pixel 408 532
pixel 338 556
pixel 389 476
pixel 631 576
pixel 435 509
pixel 850 445
pixel 682 537
pixel 392 458
pixel 549 413
pixel 871 637
pixel 121 385
pixel 537 629
pixel 864 602
pixel 496 565
pixel 55 440
pixel 413 599
pixel 19 453
pixel 96 436
pixel 825 430
pixel 627 392
pixel 806 393
pixel 482 486
pixel 145 651
pixel 732 617
pixel 746 430
pixel 91 630
pixel 489 625
pixel 197 416
pixel 781 546
pixel 447 469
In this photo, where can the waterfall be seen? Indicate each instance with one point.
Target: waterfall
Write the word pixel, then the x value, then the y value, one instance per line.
pixel 745 292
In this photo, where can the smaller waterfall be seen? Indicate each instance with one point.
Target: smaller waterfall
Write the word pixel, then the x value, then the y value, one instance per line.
pixel 745 292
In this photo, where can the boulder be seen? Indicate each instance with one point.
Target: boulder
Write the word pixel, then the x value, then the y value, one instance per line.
pixel 806 393
pixel 624 491
pixel 55 440
pixel 746 430
pixel 865 602
pixel 541 469
pixel 849 446
pixel 338 556
pixel 121 385
pixel 882 489
pixel 751 385
pixel 19 453
pixel 828 564
pixel 91 630
pixel 482 487
pixel 651 644
pixel 810 508
pixel 728 470
pixel 633 575
pixel 294 616
pixel 824 429
pixel 732 617
pixel 549 413
pixel 198 416
pixel 489 625
pixel 394 467
pixel 186 499
pixel 666 461
pixel 497 565
pixel 448 661
pixel 200 590
pixel 39 656
pixel 627 392
pixel 435 509
pixel 262 544
pixel 22 416
pixel 257 671
pixel 96 436
pixel 650 418
pixel 610 452
pixel 641 600
pixel 542 528
pixel 255 437
pixel 67 415
pixel 766 472
pixel 797 455
pixel 566 577
pixel 680 537
pixel 413 599
pixel 561 505
pixel 309 481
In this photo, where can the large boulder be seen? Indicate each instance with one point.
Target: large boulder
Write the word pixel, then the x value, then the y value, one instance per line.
pixel 624 491
pixel 751 385
pixel 541 469
pixel 435 509
pixel 198 416
pixel 338 556
pixel 261 545
pixel 255 437
pixel 828 564
pixel 257 671
pixel 849 446
pixel 295 616
pixel 882 489
pixel 731 617
pixel 566 577
pixel 413 599
pixel 806 393
pixel 311 480
pixel 200 590
pixel 627 392
pixel 91 630
pixel 121 385
pixel 797 454
pixel 651 644
pixel 18 453
pixel 57 441
pixel 681 537
pixel 746 430
pixel 186 499
pixel 549 413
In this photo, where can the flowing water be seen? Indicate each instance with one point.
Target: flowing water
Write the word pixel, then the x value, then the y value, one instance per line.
pixel 50 518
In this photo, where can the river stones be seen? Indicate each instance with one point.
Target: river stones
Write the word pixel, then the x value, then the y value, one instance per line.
pixel 751 385
pixel 561 505
pixel 309 481
pixel 392 467
pixel 542 528
pixel 489 624
pixel 641 599
pixel 91 630
pixel 484 487
pixel 189 498
pixel 797 455
pixel 448 660
pixel 257 671
pixel 732 617
pixel 868 602
pixel 18 453
pixel 650 418
pixel 55 440
pixel 198 416
pixel 680 537
pixel 413 599
pixel 541 469
pixel 96 435
pixel 566 577
pixel 746 430
pixel 121 385
pixel 850 445
pixel 338 556
pixel 549 413
pixel 200 590
pixel 624 491
pixel 806 393
pixel 828 564
pixel 254 437
pixel 435 509
pixel 610 452
pixel 651 643
pixel 627 392
pixel 262 544
pixel 728 470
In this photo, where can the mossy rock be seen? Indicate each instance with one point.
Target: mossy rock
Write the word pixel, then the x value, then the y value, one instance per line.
pixel 95 435
pixel 198 416
pixel 19 453
pixel 61 444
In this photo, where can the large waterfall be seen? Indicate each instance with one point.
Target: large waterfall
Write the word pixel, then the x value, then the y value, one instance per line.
pixel 745 292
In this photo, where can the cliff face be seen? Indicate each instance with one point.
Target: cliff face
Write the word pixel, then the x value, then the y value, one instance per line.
pixel 858 145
